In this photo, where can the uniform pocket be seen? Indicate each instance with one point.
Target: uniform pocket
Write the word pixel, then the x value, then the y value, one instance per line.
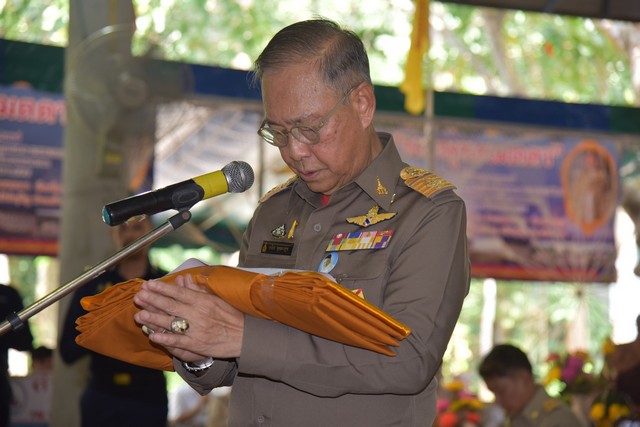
pixel 363 271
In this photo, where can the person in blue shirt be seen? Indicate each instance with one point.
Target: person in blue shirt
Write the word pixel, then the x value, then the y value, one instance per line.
pixel 118 393
pixel 20 339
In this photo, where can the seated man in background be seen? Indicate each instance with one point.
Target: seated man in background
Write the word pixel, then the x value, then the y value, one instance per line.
pixel 508 374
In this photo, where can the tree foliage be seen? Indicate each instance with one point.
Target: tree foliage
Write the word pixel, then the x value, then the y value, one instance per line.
pixel 474 50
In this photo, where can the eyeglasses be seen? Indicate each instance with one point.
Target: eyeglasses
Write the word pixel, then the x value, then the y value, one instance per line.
pixel 305 134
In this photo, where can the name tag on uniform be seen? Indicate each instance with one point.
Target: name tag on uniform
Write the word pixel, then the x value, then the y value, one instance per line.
pixel 360 240
pixel 277 248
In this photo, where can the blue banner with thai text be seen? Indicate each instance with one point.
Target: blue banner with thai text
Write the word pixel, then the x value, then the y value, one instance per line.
pixel 541 203
pixel 31 151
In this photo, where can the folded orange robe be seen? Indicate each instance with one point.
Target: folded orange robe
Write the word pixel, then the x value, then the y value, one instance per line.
pixel 307 301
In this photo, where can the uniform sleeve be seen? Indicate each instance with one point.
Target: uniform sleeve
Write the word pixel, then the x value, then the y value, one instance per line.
pixel 426 283
pixel 220 374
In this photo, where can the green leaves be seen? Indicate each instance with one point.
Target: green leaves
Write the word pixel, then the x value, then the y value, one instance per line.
pixel 482 51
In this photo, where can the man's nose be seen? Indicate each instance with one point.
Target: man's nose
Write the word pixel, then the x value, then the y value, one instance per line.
pixel 297 150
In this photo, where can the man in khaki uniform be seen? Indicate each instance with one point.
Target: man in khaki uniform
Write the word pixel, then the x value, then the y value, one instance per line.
pixel 394 234
pixel 508 374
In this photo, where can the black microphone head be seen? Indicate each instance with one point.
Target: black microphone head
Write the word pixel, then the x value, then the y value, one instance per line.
pixel 239 176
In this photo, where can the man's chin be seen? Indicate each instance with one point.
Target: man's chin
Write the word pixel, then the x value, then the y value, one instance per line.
pixel 321 187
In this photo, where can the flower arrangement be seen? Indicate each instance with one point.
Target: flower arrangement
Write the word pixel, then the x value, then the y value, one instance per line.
pixel 458 408
pixel 572 373
pixel 607 409
pixel 609 406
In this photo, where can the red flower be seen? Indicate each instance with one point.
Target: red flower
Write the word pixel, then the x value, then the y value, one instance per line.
pixel 442 405
pixel 447 419
pixel 474 417
pixel 552 357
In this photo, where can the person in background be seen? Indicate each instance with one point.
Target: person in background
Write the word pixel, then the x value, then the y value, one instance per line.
pixel 118 394
pixel 218 408
pixel 398 238
pixel 508 374
pixel 31 403
pixel 42 360
pixel 625 364
pixel 20 339
pixel 187 408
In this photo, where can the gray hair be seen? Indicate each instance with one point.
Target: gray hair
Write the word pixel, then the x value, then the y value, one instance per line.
pixel 339 54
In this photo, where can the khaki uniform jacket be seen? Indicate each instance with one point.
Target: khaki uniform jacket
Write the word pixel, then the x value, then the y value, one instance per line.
pixel 545 411
pixel 288 378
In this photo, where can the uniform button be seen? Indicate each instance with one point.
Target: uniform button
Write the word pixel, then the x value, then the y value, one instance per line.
pixel 317 227
pixel 260 419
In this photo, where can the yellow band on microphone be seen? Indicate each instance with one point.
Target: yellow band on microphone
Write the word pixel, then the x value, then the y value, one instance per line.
pixel 213 184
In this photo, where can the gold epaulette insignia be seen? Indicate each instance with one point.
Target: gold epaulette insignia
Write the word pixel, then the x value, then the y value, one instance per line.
pixel 424 182
pixel 277 188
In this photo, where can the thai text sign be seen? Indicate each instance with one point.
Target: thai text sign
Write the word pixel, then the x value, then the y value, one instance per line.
pixel 541 203
pixel 31 140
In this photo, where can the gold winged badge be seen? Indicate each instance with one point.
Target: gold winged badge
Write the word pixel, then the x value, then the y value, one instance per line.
pixel 372 217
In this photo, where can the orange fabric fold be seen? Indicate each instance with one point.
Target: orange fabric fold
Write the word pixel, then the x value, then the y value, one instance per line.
pixel 307 301
pixel 109 328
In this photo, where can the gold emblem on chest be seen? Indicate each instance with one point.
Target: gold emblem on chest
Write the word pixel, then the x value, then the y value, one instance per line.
pixel 371 217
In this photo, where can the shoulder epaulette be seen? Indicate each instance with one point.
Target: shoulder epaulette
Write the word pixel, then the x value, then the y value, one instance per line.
pixel 277 189
pixel 424 182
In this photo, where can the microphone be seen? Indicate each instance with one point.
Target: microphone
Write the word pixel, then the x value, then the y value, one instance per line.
pixel 235 177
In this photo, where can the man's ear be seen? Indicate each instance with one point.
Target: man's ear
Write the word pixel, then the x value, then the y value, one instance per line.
pixel 364 100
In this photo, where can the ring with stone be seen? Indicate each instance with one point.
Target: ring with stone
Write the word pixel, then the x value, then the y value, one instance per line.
pixel 179 325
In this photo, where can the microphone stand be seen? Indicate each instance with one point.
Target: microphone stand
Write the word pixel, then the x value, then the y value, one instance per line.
pixel 16 321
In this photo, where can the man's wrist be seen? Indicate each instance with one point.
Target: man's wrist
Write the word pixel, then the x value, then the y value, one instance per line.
pixel 198 366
